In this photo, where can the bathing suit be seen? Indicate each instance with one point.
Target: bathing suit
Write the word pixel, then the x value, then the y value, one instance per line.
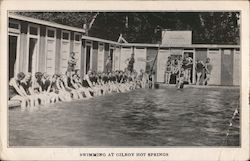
pixel 66 88
pixel 130 79
pixel 109 65
pixel 37 86
pixel 119 78
pixel 209 68
pixel 199 67
pixel 187 63
pixel 168 70
pixel 71 64
pixel 113 78
pixel 26 86
pixel 131 64
pixel 124 79
pixel 150 78
pixel 12 90
pixel 140 76
pixel 54 88
pixel 95 79
pixel 69 82
pixel 91 78
pixel 45 85
pixel 105 79
pixel 85 83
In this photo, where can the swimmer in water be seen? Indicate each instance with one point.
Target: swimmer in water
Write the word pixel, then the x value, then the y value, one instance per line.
pixel 180 79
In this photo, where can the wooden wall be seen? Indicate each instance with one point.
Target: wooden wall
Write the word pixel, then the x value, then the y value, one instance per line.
pixel 58 49
pixel 227 67
pixel 94 56
pixel 226 62
pixel 23 47
pixel 42 46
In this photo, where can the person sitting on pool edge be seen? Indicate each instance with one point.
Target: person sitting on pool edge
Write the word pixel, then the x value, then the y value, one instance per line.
pixel 46 89
pixel 26 85
pixel 15 90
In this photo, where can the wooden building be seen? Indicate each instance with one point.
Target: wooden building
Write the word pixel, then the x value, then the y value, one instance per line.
pixel 37 45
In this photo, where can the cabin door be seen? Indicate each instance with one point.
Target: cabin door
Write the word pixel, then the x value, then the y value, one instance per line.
pixel 33 54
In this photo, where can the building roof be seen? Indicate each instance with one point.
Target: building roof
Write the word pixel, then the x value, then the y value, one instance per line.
pixel 65 27
pixel 43 22
pixel 100 40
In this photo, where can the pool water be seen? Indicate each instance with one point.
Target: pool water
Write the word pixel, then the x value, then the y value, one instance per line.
pixel 144 117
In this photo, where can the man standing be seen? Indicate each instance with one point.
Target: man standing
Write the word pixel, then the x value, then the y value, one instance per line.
pixel 71 62
pixel 109 65
pixel 131 63
pixel 187 64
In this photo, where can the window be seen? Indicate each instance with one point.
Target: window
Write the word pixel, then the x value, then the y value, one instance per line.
pixel 101 47
pixel 65 36
pixel 14 25
pixel 33 30
pixel 77 37
pixel 51 33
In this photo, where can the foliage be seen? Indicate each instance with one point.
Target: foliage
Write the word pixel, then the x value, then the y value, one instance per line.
pixel 145 27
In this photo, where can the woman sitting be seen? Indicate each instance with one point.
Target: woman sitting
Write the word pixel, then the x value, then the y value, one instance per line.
pixel 54 90
pixel 62 90
pixel 36 89
pixel 78 86
pixel 15 90
pixel 26 85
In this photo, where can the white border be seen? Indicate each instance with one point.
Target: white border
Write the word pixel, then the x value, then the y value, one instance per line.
pixel 184 153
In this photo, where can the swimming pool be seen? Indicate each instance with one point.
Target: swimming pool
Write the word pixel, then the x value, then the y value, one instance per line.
pixel 144 117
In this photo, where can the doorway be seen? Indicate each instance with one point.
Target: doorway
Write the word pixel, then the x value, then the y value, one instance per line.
pixel 12 55
pixel 88 51
pixel 32 61
pixel 190 54
pixel 111 52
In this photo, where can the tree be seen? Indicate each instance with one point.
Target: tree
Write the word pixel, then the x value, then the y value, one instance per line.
pixel 207 27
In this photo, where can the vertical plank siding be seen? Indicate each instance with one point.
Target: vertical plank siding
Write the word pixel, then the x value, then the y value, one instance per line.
pixel 95 56
pixel 58 50
pixel 227 67
pixel 226 62
pixel 42 52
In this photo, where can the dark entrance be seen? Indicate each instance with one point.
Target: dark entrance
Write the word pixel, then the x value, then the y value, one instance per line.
pixel 32 52
pixel 12 55
pixel 111 51
pixel 88 49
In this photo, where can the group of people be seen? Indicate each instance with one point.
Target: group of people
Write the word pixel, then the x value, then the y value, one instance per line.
pixel 181 69
pixel 42 89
